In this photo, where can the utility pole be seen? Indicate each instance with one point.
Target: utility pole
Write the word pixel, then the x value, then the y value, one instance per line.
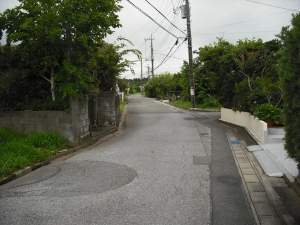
pixel 189 37
pixel 148 72
pixel 141 68
pixel 152 58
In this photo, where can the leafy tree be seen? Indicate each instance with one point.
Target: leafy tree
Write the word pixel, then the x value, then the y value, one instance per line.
pixel 162 86
pixel 215 72
pixel 122 85
pixel 19 87
pixel 110 63
pixel 257 63
pixel 59 38
pixel 289 72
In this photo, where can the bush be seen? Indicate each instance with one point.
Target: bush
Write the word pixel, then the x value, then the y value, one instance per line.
pixel 289 72
pixel 211 102
pixel 267 112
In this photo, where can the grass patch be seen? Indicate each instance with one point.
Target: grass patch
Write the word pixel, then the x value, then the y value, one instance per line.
pixel 181 104
pixel 122 105
pixel 18 150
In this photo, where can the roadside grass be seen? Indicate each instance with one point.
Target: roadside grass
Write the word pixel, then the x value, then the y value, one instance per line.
pixel 18 150
pixel 187 105
pixel 122 105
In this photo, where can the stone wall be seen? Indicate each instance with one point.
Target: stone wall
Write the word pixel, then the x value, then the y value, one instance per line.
pixel 73 125
pixel 80 121
pixel 108 110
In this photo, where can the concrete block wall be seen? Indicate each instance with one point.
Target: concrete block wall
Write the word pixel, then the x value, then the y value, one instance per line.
pixel 107 109
pixel 257 127
pixel 73 125
pixel 80 120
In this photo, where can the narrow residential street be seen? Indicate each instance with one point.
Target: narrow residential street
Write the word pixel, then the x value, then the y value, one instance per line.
pixel 169 166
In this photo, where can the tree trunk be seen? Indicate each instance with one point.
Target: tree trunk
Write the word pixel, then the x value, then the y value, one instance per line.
pixel 52 85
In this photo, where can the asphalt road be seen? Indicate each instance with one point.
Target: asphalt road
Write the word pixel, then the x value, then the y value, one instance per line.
pixel 169 166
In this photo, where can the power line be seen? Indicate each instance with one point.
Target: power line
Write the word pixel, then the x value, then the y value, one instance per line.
pixel 166 36
pixel 167 56
pixel 170 56
pixel 150 18
pixel 272 6
pixel 249 32
pixel 165 17
pixel 239 22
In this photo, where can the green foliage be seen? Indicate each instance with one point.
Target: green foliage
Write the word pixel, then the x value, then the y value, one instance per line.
pixel 289 73
pixel 8 134
pixel 240 75
pixel 215 73
pixel 181 104
pixel 18 150
pixel 122 105
pixel 110 63
pixel 162 86
pixel 182 81
pixel 267 112
pixel 122 85
pixel 57 43
pixel 134 89
pixel 211 102
pixel 264 90
pixel 46 140
pixel 150 90
pixel 22 90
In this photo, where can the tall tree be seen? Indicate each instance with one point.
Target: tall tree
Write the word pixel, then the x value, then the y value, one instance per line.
pixel 110 62
pixel 59 38
pixel 289 72
pixel 215 72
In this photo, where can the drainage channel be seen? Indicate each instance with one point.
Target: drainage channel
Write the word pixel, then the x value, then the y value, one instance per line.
pixel 262 208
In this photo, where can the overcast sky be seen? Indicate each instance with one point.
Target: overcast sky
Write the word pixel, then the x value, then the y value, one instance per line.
pixel 231 19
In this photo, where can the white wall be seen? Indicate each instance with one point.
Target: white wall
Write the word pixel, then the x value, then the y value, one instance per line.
pixel 257 127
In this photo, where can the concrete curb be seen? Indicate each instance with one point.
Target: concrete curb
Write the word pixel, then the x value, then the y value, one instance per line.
pixel 204 110
pixel 294 185
pixel 65 152
pixel 167 102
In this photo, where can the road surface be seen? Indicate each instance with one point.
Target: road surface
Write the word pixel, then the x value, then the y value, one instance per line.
pixel 169 166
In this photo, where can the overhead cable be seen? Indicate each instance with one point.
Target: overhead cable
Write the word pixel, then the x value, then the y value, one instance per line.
pixel 167 56
pixel 238 22
pixel 170 56
pixel 150 18
pixel 272 6
pixel 165 17
pixel 246 32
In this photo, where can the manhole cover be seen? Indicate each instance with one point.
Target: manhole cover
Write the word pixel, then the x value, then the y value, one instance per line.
pixel 73 179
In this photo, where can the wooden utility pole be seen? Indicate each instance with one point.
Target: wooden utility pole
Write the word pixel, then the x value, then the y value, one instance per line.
pixel 152 58
pixel 191 70
pixel 141 68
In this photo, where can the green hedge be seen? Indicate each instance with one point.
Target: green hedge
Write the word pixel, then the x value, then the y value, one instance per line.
pixel 290 71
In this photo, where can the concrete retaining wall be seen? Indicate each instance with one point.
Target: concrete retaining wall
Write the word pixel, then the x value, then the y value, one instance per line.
pixel 257 127
pixel 108 109
pixel 73 125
